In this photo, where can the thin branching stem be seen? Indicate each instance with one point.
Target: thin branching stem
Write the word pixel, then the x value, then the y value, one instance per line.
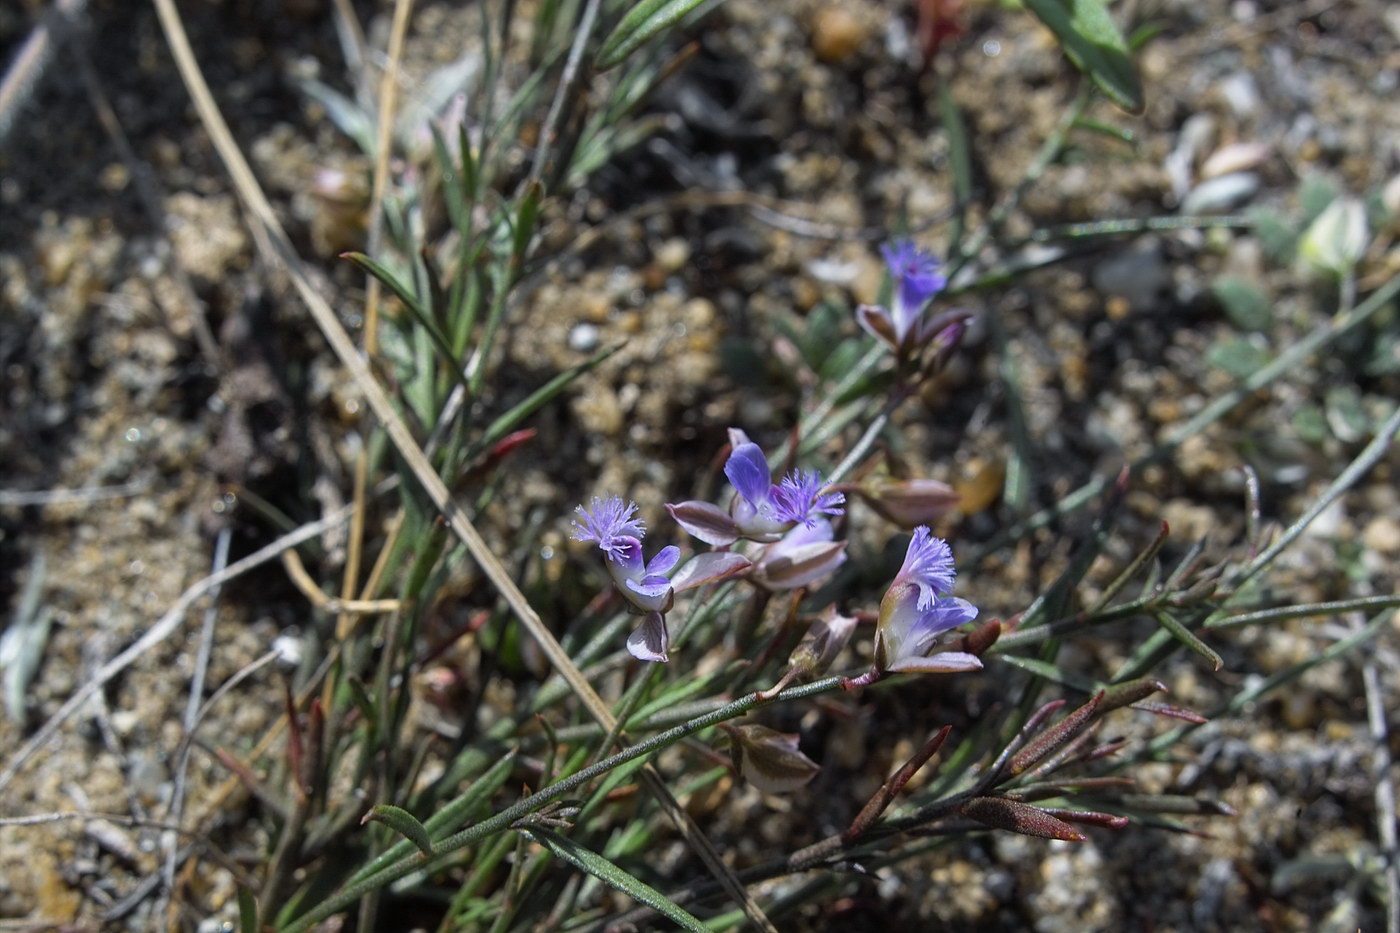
pixel 503 819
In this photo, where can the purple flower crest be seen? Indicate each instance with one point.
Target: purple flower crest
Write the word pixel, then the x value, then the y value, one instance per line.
pixel 928 564
pixel 610 522
pixel 905 325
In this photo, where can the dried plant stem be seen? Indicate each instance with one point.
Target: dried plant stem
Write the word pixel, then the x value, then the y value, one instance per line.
pixel 383 148
pixel 1384 793
pixel 349 607
pixel 201 668
pixel 22 78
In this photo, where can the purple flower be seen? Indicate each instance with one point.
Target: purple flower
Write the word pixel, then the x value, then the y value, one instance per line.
pixel 649 587
pixel 763 511
pixel 609 522
pixel 904 325
pixel 917 609
pixel 916 280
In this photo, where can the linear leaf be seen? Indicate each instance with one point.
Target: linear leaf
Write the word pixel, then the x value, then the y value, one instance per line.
pixel 1189 638
pixel 247 911
pixel 641 23
pixel 541 396
pixel 449 818
pixel 594 864
pixel 403 823
pixel 411 302
pixel 1092 41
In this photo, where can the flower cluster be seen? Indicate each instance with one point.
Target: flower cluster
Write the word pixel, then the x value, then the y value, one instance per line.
pixel 763 511
pixel 790 519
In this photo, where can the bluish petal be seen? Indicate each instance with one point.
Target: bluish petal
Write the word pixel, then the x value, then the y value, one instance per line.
pixel 946 614
pixel 650 587
pixel 747 470
pixel 665 559
pixel 947 662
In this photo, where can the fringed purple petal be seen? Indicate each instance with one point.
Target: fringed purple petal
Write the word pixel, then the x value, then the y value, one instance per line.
pixel 915 273
pixel 929 564
pixel 610 522
pixel 799 499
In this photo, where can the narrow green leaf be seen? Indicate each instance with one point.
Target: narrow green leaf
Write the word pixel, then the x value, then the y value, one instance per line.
pixel 1050 672
pixel 448 819
pixel 393 283
pixel 525 220
pixel 453 192
pixel 539 398
pixel 411 302
pixel 403 823
pixel 1126 136
pixel 641 23
pixel 960 160
pixel 594 864
pixel 1189 638
pixel 247 911
pixel 1095 45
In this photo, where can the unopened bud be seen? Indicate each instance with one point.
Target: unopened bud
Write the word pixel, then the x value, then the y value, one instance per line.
pixel 799 566
pixel 909 502
pixel 822 643
pixel 768 759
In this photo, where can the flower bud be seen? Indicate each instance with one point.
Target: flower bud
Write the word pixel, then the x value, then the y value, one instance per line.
pixel 803 556
pixel 822 643
pixel 908 502
pixel 769 760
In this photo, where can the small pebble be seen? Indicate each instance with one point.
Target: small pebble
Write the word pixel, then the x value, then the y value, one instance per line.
pixel 1221 194
pixel 673 255
pixel 837 34
pixel 1236 157
pixel 1382 534
pixel 583 337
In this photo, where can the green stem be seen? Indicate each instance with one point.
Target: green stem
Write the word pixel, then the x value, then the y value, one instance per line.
pixel 506 817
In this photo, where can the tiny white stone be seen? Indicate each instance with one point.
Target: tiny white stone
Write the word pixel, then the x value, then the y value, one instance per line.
pixel 583 337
